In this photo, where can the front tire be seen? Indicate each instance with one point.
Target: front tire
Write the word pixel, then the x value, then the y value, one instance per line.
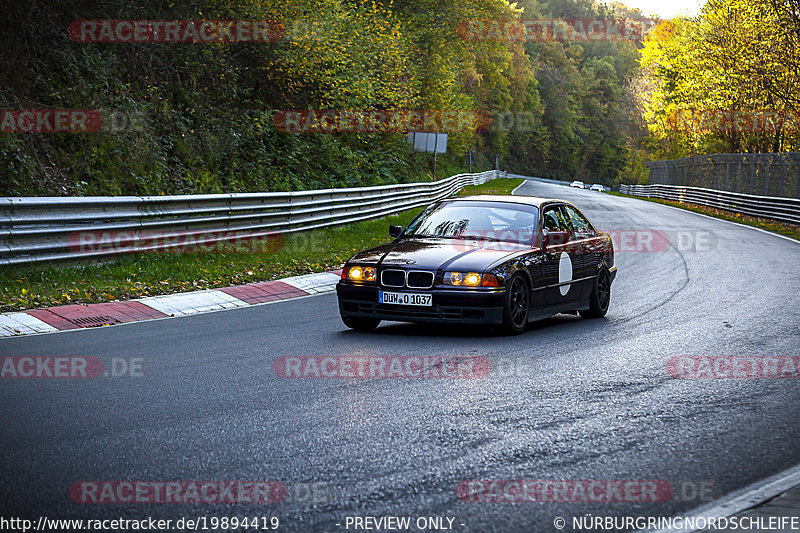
pixel 600 297
pixel 361 324
pixel 517 303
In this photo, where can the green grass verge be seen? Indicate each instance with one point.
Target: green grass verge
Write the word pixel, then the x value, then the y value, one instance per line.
pixel 789 230
pixel 148 274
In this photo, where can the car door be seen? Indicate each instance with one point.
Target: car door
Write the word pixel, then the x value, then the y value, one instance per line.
pixel 584 250
pixel 552 285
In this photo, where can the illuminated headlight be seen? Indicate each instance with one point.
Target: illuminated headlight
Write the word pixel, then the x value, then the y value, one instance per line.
pixel 361 273
pixel 462 279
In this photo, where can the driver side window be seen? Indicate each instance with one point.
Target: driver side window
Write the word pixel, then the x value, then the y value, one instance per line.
pixel 553 220
pixel 579 223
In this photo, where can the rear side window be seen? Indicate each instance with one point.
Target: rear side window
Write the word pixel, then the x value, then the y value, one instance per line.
pixel 580 225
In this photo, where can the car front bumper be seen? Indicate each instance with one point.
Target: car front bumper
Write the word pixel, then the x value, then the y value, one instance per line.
pixel 456 306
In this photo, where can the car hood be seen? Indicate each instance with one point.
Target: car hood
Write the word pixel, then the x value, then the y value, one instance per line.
pixel 464 255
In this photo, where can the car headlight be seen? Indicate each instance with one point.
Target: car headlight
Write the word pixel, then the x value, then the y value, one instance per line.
pixel 362 273
pixel 470 279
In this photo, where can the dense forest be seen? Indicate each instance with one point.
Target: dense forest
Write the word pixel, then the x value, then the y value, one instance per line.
pixel 727 81
pixel 186 117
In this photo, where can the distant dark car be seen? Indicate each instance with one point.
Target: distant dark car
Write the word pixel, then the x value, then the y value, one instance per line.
pixel 495 260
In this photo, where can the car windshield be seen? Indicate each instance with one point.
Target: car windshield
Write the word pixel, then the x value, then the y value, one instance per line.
pixel 495 221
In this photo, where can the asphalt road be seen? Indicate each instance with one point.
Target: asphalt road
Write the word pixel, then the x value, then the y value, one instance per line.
pixel 591 399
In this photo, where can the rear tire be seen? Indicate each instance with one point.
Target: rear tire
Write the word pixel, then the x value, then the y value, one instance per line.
pixel 600 297
pixel 516 306
pixel 361 324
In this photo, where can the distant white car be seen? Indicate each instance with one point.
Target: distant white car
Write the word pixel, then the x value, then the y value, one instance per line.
pixel 597 187
pixel 578 184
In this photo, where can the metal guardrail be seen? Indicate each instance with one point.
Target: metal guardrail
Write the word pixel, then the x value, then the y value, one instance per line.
pixel 36 229
pixel 771 174
pixel 782 209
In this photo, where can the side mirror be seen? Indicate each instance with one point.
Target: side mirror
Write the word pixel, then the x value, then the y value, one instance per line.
pixel 554 238
pixel 395 231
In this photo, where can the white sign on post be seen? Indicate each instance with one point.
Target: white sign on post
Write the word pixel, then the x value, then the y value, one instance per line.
pixel 433 143
pixel 441 143
pixel 420 141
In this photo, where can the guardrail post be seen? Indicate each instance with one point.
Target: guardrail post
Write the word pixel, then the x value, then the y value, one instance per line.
pixel 715 177
pixel 727 173
pixel 739 176
pixel 689 172
pixel 766 179
pixel 698 174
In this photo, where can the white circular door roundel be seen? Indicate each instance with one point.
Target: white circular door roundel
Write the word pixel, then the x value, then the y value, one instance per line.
pixel 564 273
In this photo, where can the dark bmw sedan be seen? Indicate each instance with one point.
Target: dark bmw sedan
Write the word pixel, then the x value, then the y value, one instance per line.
pixel 494 260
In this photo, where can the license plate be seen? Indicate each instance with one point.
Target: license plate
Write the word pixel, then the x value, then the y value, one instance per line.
pixel 405 298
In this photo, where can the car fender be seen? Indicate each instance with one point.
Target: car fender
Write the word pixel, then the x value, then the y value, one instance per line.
pixel 509 266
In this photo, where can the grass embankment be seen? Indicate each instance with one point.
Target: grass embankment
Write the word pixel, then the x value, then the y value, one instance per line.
pixel 148 274
pixel 789 230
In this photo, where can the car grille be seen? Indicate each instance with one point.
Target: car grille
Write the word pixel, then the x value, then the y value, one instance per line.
pixel 413 279
pixel 419 280
pixel 393 278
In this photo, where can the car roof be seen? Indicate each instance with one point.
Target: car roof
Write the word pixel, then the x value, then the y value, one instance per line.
pixel 507 198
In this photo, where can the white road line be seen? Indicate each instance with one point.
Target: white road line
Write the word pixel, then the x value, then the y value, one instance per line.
pixel 723 220
pixel 531 178
pixel 518 186
pixel 744 499
pixel 12 324
pixel 701 215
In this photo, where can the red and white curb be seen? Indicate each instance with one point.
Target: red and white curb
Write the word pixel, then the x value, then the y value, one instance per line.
pixel 22 324
pixel 77 316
